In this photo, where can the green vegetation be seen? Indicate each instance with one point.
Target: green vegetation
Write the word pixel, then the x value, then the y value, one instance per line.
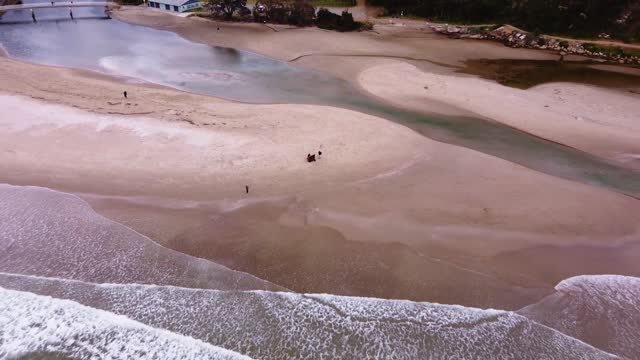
pixel 344 22
pixel 582 18
pixel 225 8
pixel 611 51
pixel 322 3
pixel 296 12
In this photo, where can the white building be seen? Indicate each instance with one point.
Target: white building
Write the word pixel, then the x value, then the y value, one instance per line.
pixel 175 5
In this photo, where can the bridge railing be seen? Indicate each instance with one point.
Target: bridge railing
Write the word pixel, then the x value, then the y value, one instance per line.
pixel 55 4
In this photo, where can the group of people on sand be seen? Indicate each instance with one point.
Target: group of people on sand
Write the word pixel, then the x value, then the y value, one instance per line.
pixel 312 157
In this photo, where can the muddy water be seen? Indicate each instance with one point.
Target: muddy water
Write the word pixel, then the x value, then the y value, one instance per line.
pixel 524 74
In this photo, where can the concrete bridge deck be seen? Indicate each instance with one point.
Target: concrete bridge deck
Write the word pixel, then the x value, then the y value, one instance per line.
pixel 58 4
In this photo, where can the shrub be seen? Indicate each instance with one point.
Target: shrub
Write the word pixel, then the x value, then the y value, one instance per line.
pixel 301 13
pixel 224 8
pixel 325 19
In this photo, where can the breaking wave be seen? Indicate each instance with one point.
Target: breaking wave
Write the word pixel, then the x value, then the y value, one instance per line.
pixel 34 325
pixel 601 310
pixel 270 325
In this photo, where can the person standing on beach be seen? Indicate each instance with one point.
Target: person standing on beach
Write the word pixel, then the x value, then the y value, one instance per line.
pixel 125 94
pixel 246 188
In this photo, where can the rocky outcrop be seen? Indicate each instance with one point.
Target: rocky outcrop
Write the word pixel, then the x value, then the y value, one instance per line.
pixel 517 38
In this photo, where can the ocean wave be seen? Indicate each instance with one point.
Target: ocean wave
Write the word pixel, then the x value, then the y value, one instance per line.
pixel 48 233
pixel 601 310
pixel 34 325
pixel 269 325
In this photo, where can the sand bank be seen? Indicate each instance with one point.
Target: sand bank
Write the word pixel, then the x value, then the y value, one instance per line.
pixel 603 122
pixel 182 141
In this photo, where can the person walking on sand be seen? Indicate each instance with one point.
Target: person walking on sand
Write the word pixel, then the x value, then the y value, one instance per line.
pixel 125 94
pixel 246 188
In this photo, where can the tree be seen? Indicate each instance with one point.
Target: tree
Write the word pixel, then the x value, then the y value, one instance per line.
pixel 301 13
pixel 225 7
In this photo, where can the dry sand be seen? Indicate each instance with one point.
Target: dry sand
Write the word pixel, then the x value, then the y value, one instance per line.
pixel 182 141
pixel 385 212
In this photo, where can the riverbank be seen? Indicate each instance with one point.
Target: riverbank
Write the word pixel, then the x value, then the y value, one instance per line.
pixel 603 51
pixel 347 55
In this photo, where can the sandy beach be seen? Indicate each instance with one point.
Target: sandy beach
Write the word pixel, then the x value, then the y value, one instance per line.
pixel 441 222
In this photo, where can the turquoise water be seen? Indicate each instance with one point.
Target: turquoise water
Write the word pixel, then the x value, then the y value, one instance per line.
pixel 165 58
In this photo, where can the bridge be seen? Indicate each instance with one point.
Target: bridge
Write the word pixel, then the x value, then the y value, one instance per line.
pixel 57 4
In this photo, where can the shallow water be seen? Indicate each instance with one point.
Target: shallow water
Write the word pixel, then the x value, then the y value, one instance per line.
pixel 524 74
pixel 162 57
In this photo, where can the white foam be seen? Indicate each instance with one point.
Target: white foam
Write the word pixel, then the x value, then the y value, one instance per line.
pixel 270 325
pixel 602 310
pixel 598 282
pixel 39 324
